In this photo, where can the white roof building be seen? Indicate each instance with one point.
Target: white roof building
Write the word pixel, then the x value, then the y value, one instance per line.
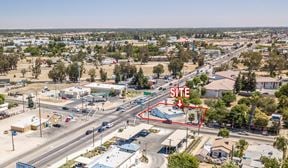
pixel 118 157
pixel 105 87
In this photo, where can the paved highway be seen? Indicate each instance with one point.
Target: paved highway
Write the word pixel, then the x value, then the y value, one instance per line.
pixel 43 156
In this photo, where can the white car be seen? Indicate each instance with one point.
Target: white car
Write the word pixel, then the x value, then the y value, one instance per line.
pixel 109 125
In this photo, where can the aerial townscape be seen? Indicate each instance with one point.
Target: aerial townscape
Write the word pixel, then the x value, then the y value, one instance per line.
pixel 111 95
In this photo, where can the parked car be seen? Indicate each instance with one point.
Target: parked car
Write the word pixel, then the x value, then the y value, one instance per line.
pixel 56 125
pixel 144 133
pixel 167 121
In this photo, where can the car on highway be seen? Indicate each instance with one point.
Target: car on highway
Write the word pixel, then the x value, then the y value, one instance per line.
pixel 101 129
pixel 243 133
pixel 106 124
pixel 88 132
pixel 119 108
pixel 65 108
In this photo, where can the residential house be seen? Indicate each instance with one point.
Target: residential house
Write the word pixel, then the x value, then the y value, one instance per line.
pixel 222 148
pixel 267 83
pixel 217 87
pixel 229 74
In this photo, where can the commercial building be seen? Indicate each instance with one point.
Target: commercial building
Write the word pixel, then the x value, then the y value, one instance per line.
pixel 101 87
pixel 166 112
pixel 123 156
pixel 4 107
pixel 174 141
pixel 75 92
pixel 29 123
pixel 253 154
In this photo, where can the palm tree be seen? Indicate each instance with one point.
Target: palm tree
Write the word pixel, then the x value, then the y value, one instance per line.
pixel 254 100
pixel 281 144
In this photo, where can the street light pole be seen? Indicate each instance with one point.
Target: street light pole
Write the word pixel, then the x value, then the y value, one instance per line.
pixel 93 136
pixel 13 146
pixel 40 119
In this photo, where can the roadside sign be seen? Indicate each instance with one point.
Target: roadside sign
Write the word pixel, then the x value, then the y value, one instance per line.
pixel 14 133
pixel 180 92
pixel 23 165
pixel 147 93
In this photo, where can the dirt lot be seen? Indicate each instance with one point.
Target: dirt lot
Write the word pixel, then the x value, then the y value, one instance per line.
pixel 16 75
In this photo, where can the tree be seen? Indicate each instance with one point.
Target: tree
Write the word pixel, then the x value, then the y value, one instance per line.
pixel 285 163
pixel 275 62
pixel 283 91
pixel 281 144
pixel 270 162
pixel 194 97
pixel 49 62
pixel 92 74
pixel 252 60
pixel 140 80
pixel 244 100
pixel 175 66
pixel 2 99
pixel 228 98
pixel 23 72
pixel 261 119
pixel 144 56
pixel 197 81
pixel 191 117
pixel 238 84
pixel 239 115
pixel 201 61
pixel 158 69
pixel 254 100
pixel 181 160
pixel 217 112
pixel 58 72
pixel 73 71
pixel 224 132
pixel 103 75
pixel 36 68
pixel 204 78
pixel 229 165
pixel 241 145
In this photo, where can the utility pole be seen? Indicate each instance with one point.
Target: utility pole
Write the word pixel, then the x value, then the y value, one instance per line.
pixel 23 103
pixel 93 136
pixel 13 146
pixel 101 136
pixel 148 112
pixel 40 119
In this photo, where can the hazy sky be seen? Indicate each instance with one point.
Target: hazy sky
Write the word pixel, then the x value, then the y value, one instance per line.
pixel 141 13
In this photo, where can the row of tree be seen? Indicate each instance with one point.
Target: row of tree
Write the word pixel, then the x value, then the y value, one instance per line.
pixel 74 71
pixel 8 62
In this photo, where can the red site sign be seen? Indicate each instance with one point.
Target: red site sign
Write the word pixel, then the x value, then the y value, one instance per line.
pixel 180 93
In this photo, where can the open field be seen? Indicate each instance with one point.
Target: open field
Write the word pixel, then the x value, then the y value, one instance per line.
pixel 15 75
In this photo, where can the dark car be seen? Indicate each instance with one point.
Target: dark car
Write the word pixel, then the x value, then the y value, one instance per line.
pixel 144 133
pixel 167 121
pixel 65 108
pixel 56 125
pixel 101 129
pixel 88 132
